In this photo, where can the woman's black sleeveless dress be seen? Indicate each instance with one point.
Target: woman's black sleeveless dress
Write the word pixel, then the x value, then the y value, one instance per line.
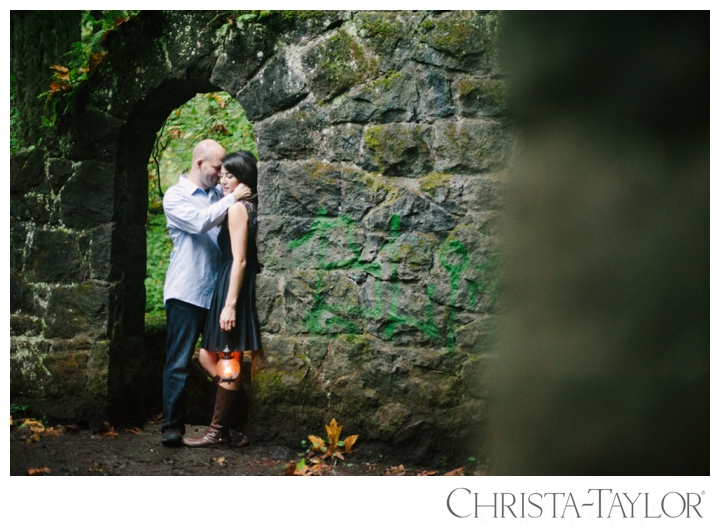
pixel 245 336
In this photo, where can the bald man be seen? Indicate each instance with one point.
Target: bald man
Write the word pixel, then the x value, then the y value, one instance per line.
pixel 194 208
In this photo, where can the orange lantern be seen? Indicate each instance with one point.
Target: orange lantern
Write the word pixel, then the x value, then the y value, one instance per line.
pixel 227 368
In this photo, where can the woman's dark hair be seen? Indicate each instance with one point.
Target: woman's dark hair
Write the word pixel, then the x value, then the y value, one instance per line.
pixel 243 166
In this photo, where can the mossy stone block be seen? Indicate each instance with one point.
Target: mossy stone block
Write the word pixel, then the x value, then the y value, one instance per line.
pixel 398 149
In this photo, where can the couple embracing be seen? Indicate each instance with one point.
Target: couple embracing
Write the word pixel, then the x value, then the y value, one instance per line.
pixel 210 284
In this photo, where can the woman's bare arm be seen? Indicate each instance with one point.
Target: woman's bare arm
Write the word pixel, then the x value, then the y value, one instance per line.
pixel 238 227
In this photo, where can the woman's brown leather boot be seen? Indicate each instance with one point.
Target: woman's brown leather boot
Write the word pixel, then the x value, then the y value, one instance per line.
pixel 226 403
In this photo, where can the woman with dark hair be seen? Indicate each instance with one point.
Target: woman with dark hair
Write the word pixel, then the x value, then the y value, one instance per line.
pixel 232 321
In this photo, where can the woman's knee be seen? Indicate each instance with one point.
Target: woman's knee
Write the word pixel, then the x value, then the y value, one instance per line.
pixel 207 359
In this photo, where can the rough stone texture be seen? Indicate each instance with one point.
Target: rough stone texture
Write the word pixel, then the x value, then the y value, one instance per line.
pixel 383 143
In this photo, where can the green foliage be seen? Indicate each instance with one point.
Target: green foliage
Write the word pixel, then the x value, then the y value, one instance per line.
pixel 17 409
pixel 84 56
pixel 14 119
pixel 155 323
pixel 269 17
pixel 216 116
pixel 159 247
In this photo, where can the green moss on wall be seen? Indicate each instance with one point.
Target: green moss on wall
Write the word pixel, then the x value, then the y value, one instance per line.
pixel 433 180
pixel 382 26
pixel 459 35
pixel 390 144
pixel 345 63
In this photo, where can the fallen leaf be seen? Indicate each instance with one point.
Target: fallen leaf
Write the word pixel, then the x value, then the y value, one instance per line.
pixel 218 460
pixel 349 442
pixel 395 471
pixel 333 432
pixel 428 473
pixel 44 471
pixel 33 425
pixel 317 443
pixel 11 421
pixel 106 431
pixel 457 472
pixel 134 431
pixel 290 469
pixel 51 432
pixel 317 469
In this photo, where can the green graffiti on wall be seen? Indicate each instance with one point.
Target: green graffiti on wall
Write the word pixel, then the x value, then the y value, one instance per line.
pixel 328 318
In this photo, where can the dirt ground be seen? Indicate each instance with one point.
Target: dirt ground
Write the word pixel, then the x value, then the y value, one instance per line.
pixel 68 451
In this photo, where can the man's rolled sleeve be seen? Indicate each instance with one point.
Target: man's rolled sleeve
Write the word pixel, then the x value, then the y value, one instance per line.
pixel 181 213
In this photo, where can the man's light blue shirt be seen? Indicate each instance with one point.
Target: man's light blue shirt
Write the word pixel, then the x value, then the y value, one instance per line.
pixel 193 216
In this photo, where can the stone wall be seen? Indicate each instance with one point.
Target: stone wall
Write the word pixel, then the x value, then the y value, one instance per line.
pixel 383 143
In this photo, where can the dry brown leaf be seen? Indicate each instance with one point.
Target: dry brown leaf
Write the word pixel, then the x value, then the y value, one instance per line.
pixel 349 442
pixel 61 72
pixel 317 443
pixel 96 59
pixel 317 469
pixel 58 87
pixel 333 432
pixel 428 473
pixel 457 472
pixel 395 471
pixel 106 431
pixel 290 469
pixel 51 432
pixel 11 421
pixel 134 431
pixel 44 471
pixel 220 461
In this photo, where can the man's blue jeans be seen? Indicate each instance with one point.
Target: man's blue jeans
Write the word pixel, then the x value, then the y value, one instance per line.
pixel 185 322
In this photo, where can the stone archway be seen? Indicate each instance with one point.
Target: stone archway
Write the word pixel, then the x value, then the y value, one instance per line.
pixel 382 142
